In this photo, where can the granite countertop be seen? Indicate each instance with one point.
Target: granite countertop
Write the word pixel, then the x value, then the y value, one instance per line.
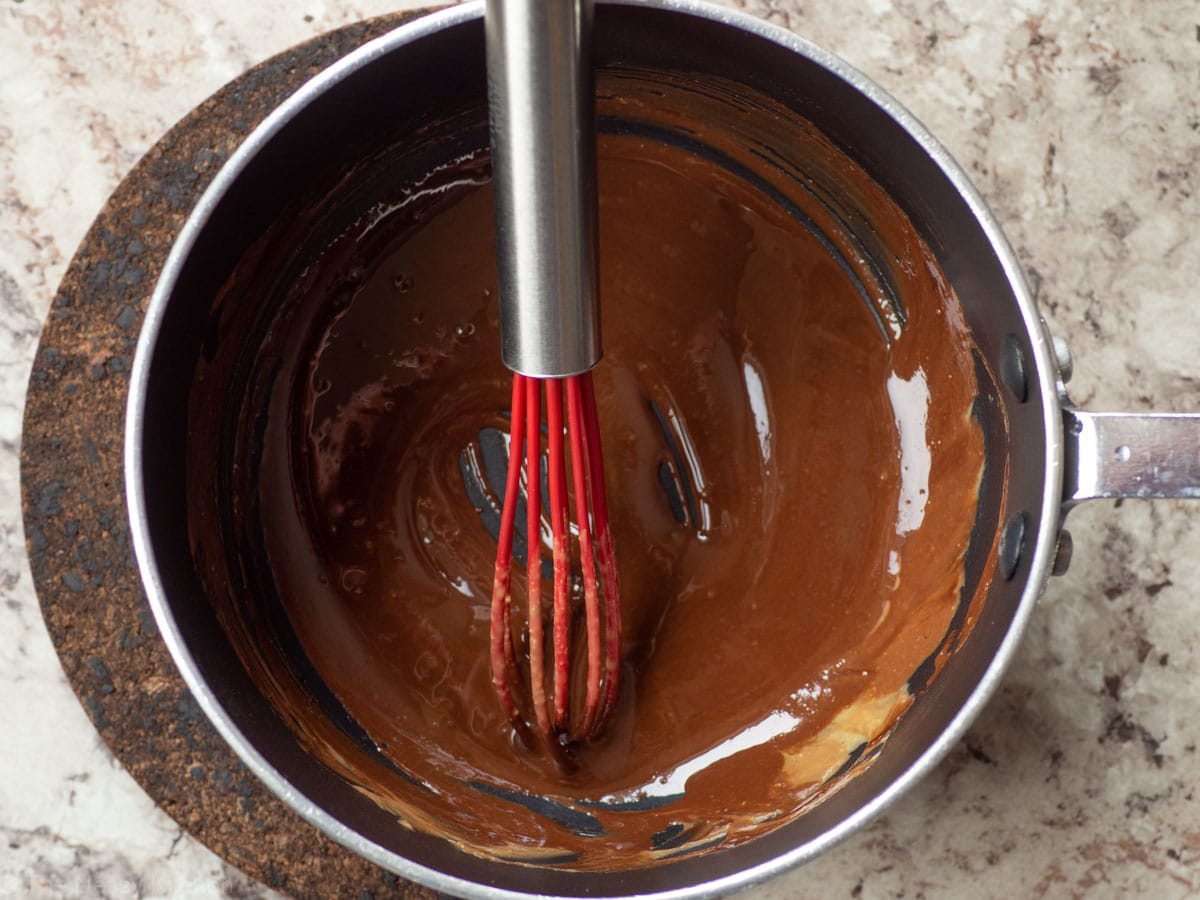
pixel 1080 123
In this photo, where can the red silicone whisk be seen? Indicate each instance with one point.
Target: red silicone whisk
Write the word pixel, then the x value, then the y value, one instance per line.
pixel 541 101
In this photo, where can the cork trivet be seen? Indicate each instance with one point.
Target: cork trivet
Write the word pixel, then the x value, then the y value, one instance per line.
pixel 77 532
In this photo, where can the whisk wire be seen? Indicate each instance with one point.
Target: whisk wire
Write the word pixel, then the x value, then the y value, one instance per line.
pixel 503 655
pixel 604 546
pixel 561 551
pixel 580 429
pixel 581 476
pixel 533 530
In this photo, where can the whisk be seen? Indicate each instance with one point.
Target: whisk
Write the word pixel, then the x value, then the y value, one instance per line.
pixel 542 107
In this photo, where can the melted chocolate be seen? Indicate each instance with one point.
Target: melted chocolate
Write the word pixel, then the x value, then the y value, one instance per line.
pixel 792 464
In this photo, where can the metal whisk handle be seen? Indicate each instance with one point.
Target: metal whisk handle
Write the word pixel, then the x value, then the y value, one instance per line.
pixel 541 98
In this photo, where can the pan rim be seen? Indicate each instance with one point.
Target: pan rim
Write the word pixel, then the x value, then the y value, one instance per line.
pixel 1042 383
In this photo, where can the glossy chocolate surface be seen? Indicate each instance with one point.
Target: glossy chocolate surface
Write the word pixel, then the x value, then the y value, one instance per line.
pixel 793 463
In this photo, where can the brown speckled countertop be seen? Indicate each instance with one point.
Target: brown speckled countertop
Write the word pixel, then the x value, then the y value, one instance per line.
pixel 1080 122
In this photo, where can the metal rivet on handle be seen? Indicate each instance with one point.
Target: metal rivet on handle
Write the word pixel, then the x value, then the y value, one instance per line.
pixel 1063 549
pixel 1012 545
pixel 1013 371
pixel 1062 356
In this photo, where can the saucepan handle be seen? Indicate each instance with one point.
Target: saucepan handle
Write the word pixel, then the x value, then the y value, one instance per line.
pixel 1142 455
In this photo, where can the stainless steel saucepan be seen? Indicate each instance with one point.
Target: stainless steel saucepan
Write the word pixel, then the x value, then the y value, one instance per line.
pixel 1055 455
